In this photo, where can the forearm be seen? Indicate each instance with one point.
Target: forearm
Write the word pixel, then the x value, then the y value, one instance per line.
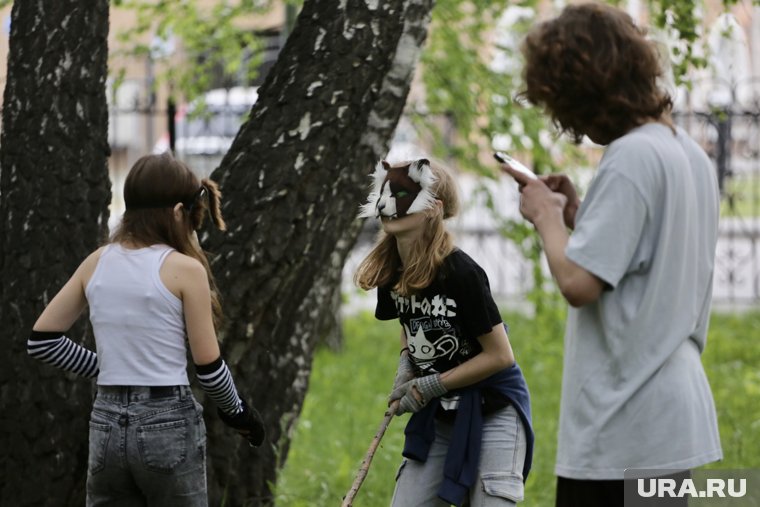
pixel 476 369
pixel 554 237
pixel 577 285
pixel 403 344
pixel 57 350
pixel 216 380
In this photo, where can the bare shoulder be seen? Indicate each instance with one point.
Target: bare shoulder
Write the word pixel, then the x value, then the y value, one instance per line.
pixel 94 257
pixel 181 273
pixel 87 268
pixel 184 263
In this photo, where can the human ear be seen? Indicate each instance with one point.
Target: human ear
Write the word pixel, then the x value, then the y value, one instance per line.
pixel 178 209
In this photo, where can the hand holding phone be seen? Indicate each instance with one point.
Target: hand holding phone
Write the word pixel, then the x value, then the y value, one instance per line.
pixel 514 168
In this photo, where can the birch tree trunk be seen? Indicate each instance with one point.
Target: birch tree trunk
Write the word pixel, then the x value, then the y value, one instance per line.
pixel 54 195
pixel 293 180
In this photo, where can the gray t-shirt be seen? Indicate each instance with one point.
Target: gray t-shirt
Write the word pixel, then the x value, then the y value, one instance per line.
pixel 634 392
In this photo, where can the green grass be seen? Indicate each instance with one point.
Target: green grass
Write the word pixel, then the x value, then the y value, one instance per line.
pixel 741 197
pixel 732 361
pixel 347 398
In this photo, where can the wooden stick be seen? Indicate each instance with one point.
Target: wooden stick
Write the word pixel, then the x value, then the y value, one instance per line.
pixel 364 469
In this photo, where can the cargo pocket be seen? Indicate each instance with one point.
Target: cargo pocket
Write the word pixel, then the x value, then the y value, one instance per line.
pixel 163 446
pixel 509 486
pixel 400 469
pixel 97 446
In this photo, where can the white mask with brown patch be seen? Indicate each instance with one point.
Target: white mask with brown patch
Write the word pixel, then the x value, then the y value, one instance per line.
pixel 399 190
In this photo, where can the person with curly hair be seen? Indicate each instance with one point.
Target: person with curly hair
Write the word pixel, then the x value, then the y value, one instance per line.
pixel 634 260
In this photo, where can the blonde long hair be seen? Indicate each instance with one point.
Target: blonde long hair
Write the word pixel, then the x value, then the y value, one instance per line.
pixel 382 266
pixel 154 185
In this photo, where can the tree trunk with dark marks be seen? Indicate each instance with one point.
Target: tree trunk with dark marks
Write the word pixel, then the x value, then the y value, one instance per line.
pixel 293 181
pixel 54 195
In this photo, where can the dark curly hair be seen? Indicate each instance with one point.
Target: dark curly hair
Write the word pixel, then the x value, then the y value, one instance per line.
pixel 594 72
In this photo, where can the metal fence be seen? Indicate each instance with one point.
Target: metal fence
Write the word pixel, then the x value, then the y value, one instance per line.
pixel 725 120
pixel 724 117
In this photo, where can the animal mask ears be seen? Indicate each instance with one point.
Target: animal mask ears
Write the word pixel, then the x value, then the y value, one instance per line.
pixel 400 190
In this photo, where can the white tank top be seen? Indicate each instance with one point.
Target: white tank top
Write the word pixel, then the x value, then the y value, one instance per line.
pixel 138 323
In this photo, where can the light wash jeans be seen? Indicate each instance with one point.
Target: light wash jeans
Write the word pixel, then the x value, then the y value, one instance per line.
pixel 146 451
pixel 500 480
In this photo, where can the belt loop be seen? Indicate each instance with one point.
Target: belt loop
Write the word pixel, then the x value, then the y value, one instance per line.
pixel 182 393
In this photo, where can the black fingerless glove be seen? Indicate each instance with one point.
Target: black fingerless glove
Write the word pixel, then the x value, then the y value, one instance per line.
pixel 249 421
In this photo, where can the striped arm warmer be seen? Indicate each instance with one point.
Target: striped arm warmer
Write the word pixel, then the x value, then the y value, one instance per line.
pixel 54 348
pixel 216 380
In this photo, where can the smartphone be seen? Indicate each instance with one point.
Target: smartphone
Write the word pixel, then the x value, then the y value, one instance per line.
pixel 514 164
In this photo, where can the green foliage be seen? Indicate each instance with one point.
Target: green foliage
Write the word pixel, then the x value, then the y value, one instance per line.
pixel 347 399
pixel 543 295
pixel 213 38
pixel 471 74
pixel 471 77
pixel 681 19
pixel 470 95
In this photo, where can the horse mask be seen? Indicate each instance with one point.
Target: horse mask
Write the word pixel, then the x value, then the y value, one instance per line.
pixel 400 190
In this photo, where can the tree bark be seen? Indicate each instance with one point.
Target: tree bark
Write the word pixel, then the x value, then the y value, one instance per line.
pixel 293 181
pixel 54 195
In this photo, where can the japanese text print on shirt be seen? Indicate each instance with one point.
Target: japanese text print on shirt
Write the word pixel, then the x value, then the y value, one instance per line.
pixel 443 321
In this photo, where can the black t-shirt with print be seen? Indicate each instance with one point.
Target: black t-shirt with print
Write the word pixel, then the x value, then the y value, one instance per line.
pixel 443 321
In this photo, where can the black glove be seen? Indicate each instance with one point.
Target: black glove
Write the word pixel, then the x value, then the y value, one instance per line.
pixel 248 423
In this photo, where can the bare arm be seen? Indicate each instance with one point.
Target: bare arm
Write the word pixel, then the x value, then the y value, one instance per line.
pixel 189 276
pixel 47 342
pixel 545 209
pixel 66 307
pixel 495 356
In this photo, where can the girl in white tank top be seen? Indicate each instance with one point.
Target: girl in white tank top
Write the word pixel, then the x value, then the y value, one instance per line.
pixel 150 294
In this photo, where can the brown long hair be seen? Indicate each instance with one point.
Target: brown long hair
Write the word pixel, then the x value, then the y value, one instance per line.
pixel 154 185
pixel 594 72
pixel 381 266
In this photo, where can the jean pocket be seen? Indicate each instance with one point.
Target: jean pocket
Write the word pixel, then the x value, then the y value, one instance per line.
pixel 163 446
pixel 200 426
pixel 98 444
pixel 507 486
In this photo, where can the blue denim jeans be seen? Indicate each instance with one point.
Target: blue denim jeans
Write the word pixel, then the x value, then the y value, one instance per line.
pixel 500 480
pixel 147 448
